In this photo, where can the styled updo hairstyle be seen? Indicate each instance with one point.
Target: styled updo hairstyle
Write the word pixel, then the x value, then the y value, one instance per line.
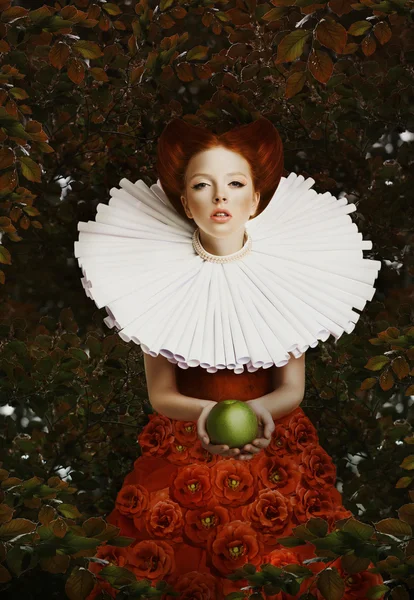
pixel 258 142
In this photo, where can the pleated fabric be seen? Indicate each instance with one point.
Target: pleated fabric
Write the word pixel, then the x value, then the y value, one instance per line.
pixel 300 283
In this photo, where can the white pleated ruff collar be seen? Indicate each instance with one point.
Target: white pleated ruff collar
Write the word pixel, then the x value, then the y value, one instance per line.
pixel 298 284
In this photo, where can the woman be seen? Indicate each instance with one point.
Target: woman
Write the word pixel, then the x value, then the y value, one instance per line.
pixel 199 510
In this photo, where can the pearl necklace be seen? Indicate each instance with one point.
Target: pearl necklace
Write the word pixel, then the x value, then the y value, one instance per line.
pixel 220 259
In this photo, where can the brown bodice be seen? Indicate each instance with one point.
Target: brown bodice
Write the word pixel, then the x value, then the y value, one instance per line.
pixel 224 384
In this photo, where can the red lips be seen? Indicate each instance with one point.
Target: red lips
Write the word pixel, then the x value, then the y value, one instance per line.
pixel 218 210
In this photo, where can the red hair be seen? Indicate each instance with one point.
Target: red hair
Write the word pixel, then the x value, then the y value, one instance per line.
pixel 258 142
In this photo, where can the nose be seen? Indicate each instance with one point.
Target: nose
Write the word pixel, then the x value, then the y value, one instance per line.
pixel 220 197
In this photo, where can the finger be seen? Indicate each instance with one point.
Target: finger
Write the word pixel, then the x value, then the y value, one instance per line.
pixel 214 449
pixel 246 456
pixel 233 452
pixel 201 431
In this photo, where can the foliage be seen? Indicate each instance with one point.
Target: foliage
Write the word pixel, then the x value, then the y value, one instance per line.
pixel 85 90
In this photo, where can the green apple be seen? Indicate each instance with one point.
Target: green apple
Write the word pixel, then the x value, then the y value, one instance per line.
pixel 232 422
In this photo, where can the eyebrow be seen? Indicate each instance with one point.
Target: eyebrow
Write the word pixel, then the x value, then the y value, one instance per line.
pixel 207 175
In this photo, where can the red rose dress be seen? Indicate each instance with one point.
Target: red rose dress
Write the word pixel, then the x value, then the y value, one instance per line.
pixel 197 517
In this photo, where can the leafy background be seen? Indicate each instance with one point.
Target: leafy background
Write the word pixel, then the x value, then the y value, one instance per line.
pixel 86 88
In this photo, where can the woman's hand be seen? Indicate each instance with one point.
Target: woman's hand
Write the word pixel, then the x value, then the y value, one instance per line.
pixel 266 428
pixel 221 449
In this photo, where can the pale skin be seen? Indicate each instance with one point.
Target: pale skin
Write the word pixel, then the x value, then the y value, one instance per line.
pixel 221 179
pixel 226 183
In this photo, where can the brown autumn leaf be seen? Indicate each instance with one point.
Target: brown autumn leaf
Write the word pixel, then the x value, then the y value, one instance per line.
pixel 386 380
pixel 79 584
pixel 295 83
pixel 382 32
pixel 88 49
pixel 59 54
pixel 24 222
pixel 359 27
pixel 166 21
pixel 15 213
pixel 5 256
pixel 330 584
pixel 238 17
pixel 104 23
pixel 274 14
pixel 6 158
pixel 368 45
pixel 207 19
pixel 197 53
pixel 320 65
pixel 30 169
pixel 340 7
pixel 203 71
pixel 76 70
pixel 178 12
pixel 69 12
pixel 400 367
pixel 375 363
pixel 98 74
pixel 184 72
pixel 368 383
pixel 55 564
pixel 291 46
pixel 8 181
pixel 112 9
pixel 406 513
pixel 15 12
pixel 332 35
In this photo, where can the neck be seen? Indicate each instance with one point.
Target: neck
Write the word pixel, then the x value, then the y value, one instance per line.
pixel 223 246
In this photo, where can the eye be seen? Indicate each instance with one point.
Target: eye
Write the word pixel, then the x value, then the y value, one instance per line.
pixel 196 187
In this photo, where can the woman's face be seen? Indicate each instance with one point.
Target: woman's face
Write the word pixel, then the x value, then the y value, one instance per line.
pixel 219 178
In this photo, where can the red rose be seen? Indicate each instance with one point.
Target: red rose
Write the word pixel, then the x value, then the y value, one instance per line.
pixel 113 554
pixel 177 454
pixel 100 586
pixel 280 558
pixel 277 473
pixel 152 560
pixel 314 503
pixel 199 523
pixel 271 515
pixel 341 513
pixel 196 586
pixel 163 494
pixel 132 500
pixel 235 544
pixel 165 520
pixel 156 436
pixel 185 432
pixel 279 442
pixel 191 487
pixel 317 468
pixel 300 432
pixel 232 482
pixel 358 584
